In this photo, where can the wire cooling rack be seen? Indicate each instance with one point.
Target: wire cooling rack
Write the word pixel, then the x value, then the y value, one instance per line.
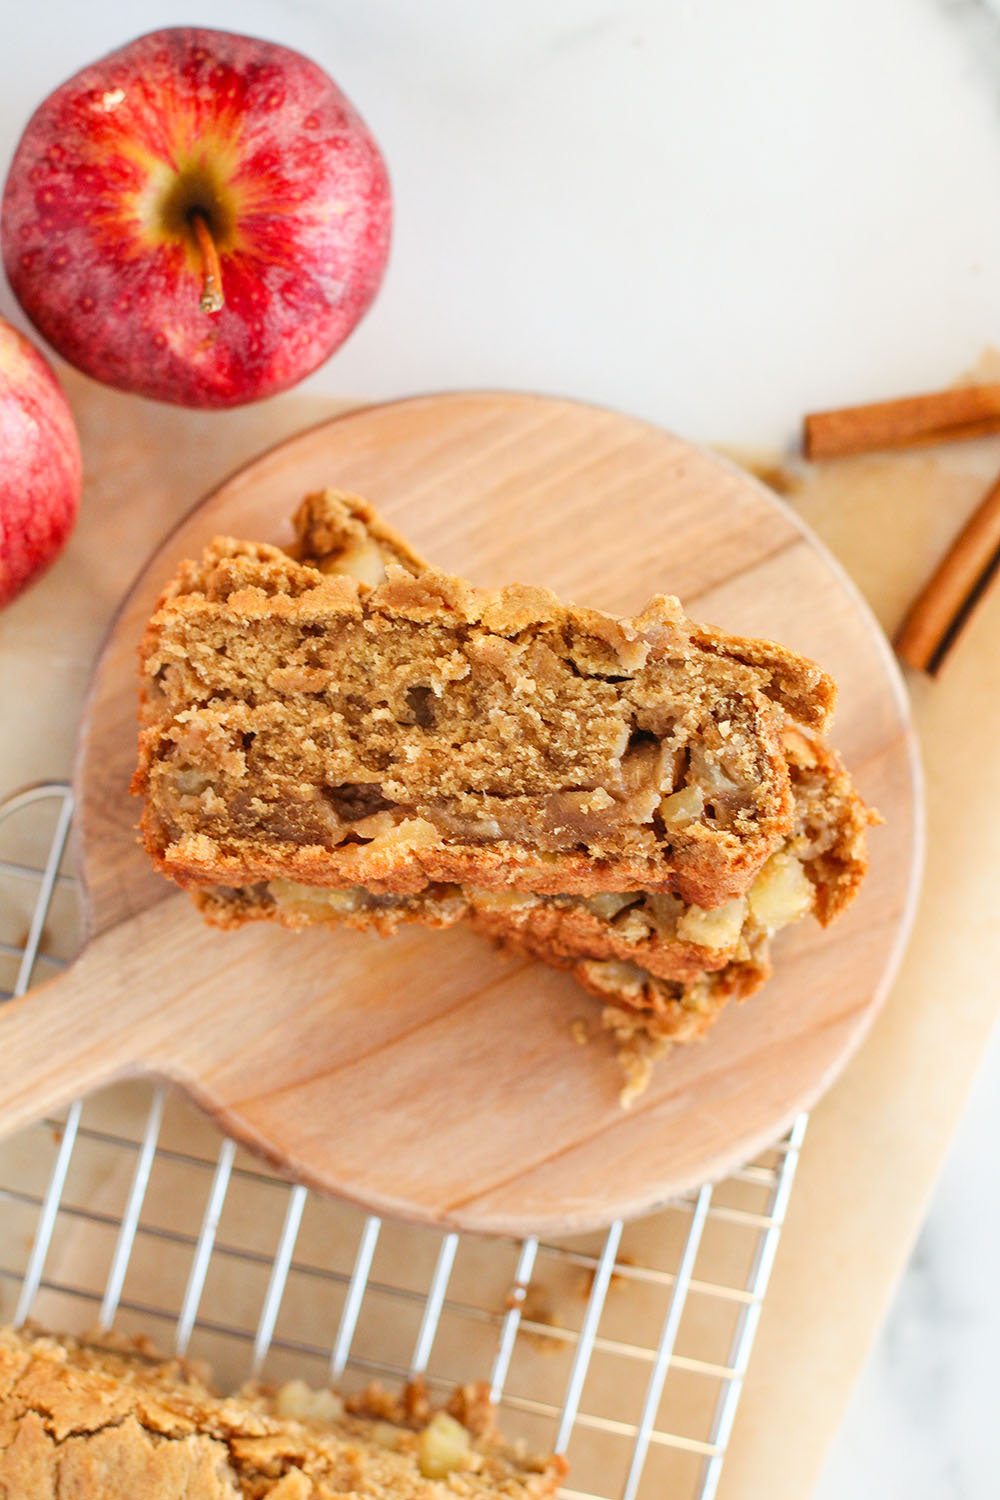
pixel 626 1351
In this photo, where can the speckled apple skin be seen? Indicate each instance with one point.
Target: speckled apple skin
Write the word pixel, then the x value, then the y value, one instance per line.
pixel 40 470
pixel 120 301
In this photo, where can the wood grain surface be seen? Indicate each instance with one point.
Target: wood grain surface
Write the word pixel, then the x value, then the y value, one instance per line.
pixel 429 1075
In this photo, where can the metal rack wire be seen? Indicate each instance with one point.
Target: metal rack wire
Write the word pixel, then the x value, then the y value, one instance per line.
pixel 626 1351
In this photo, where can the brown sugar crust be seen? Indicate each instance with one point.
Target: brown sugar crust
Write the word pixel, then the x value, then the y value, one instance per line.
pixel 81 1422
pixel 307 726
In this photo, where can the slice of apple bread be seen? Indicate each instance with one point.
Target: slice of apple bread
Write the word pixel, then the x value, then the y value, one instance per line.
pixel 818 867
pixel 303 725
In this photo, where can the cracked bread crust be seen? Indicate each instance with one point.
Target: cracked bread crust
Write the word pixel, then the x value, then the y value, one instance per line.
pixel 505 738
pixel 82 1422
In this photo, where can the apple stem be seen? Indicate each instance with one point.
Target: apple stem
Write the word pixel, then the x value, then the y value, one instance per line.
pixel 211 299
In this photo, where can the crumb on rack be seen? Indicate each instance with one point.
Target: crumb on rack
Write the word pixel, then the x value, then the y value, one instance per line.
pixel 586 1285
pixel 537 1308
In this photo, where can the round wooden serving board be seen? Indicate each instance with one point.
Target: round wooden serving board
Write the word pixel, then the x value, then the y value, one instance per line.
pixel 429 1075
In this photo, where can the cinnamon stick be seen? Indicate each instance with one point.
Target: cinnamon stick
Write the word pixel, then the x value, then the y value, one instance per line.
pixel 938 417
pixel 946 603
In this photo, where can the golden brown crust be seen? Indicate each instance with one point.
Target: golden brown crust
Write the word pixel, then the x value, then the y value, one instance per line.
pixel 94 1423
pixel 195 860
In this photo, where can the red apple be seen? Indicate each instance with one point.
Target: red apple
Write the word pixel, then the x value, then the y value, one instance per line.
pixel 39 464
pixel 198 217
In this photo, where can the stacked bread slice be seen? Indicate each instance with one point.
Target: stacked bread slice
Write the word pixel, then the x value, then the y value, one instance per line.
pixel 342 734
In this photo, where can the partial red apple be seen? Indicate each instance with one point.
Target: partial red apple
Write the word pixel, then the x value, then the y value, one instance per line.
pixel 40 471
pixel 198 217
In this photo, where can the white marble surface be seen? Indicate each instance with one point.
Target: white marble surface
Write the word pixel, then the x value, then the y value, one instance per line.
pixel 715 214
pixel 708 212
pixel 922 1421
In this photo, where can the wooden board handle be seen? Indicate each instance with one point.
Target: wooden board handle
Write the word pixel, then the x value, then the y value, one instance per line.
pixel 56 1043
pixel 78 1031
